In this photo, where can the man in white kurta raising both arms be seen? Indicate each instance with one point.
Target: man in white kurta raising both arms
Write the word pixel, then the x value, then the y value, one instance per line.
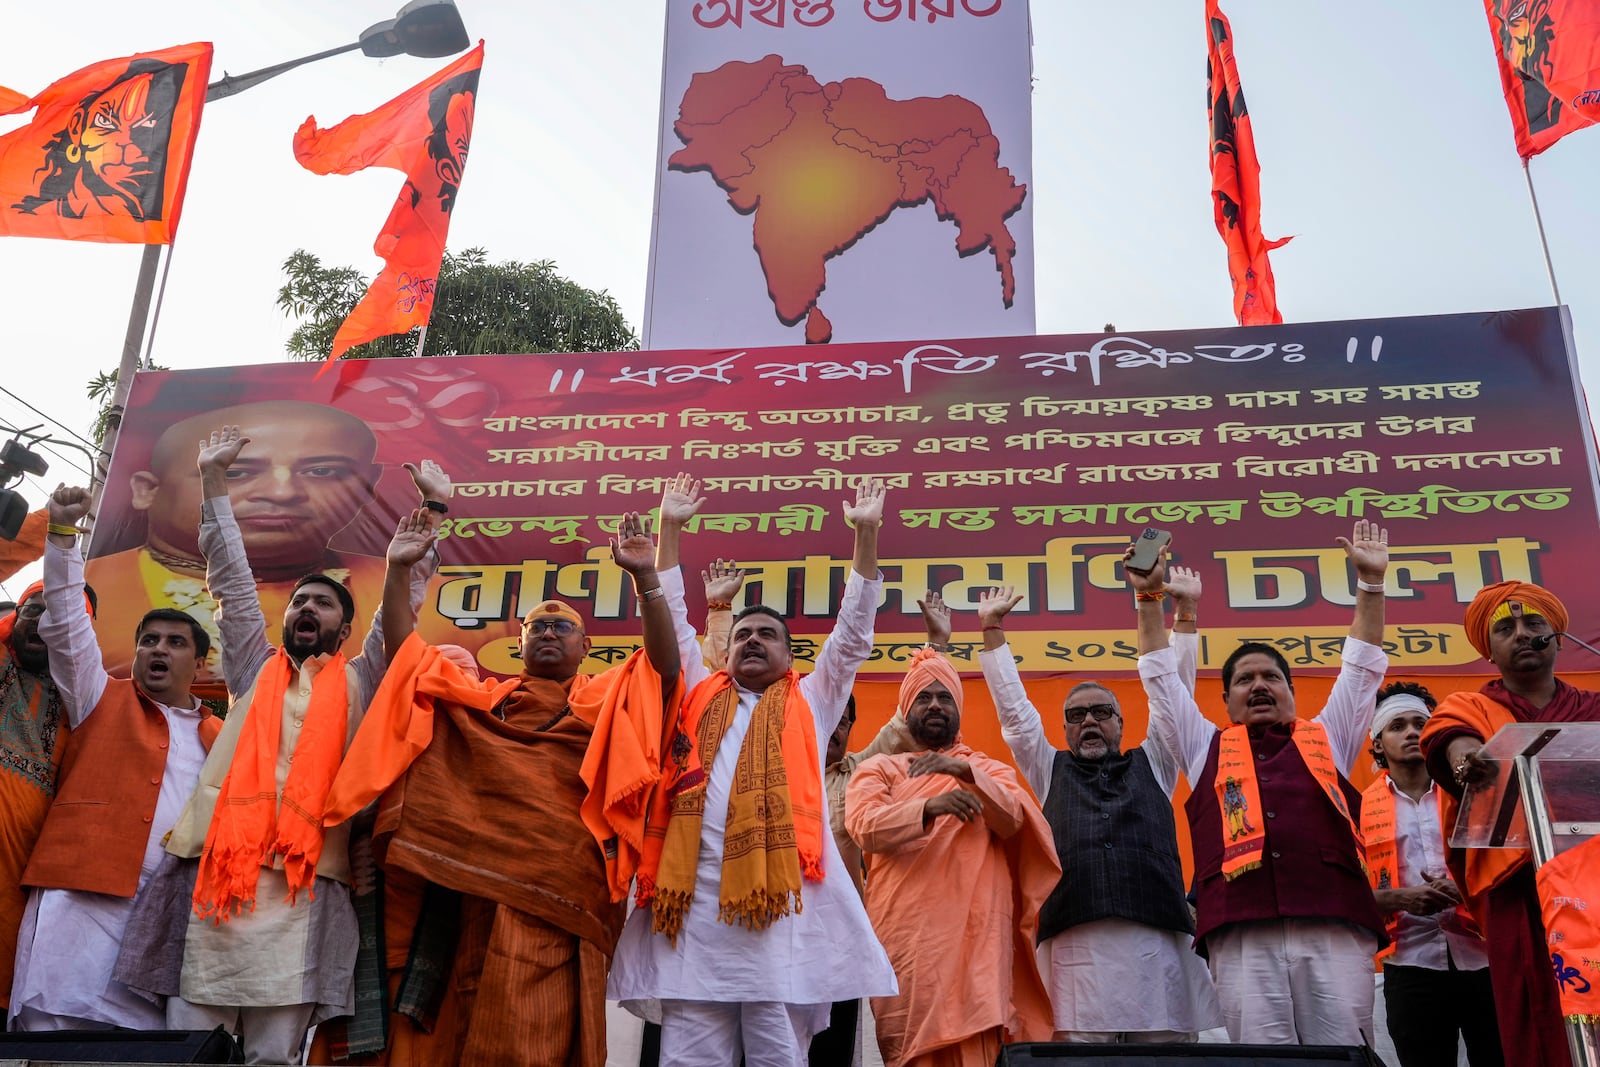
pixel 134 757
pixel 723 948
pixel 255 931
pixel 1119 920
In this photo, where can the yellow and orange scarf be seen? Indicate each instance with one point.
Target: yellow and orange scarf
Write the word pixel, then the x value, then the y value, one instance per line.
pixel 251 825
pixel 776 811
pixel 1239 794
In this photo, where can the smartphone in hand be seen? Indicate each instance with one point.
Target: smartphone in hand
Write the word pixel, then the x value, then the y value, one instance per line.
pixel 1147 549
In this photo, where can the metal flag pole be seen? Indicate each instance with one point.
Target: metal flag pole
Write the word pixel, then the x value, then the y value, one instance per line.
pixel 1544 244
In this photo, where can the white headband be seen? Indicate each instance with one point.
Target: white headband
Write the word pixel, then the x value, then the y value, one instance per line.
pixel 1391 708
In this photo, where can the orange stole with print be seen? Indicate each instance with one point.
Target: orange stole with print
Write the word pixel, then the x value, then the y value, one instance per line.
pixel 1569 903
pixel 1239 793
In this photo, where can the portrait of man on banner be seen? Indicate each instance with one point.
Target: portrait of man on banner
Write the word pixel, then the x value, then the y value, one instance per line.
pixel 107 154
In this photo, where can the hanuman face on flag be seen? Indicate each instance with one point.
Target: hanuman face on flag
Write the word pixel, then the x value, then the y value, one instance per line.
pixel 450 110
pixel 1526 33
pixel 111 157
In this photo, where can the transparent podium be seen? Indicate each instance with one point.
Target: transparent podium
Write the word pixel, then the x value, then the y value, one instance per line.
pixel 1545 797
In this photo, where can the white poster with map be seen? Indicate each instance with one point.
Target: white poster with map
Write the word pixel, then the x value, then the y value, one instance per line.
pixel 842 170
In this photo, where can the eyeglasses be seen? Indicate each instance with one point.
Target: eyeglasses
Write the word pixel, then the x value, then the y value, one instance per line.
pixel 1101 713
pixel 560 627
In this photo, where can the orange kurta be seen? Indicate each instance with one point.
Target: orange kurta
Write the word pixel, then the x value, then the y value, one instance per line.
pixel 541 911
pixel 956 904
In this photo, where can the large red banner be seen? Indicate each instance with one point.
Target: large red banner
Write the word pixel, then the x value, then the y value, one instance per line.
pixel 1027 461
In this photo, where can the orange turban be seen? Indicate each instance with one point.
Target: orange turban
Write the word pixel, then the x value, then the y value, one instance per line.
pixel 1535 600
pixel 9 621
pixel 556 608
pixel 928 666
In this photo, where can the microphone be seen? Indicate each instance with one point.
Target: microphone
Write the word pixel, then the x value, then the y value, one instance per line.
pixel 1542 642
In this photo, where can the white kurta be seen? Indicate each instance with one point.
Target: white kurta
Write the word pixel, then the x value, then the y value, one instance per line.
pixel 827 951
pixel 1091 969
pixel 68 942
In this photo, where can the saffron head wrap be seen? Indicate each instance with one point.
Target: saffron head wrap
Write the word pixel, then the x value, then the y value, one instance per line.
pixel 928 666
pixel 1485 607
pixel 559 609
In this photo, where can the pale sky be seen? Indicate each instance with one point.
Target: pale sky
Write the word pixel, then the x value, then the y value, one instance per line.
pixel 1384 144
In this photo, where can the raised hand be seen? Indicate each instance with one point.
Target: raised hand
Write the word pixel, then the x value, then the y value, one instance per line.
pixel 1149 581
pixel 1184 585
pixel 680 500
pixel 995 604
pixel 412 539
pixel 868 508
pixel 430 479
pixel 68 504
pixel 218 451
pixel 935 618
pixel 958 802
pixel 1367 548
pixel 723 581
pixel 633 548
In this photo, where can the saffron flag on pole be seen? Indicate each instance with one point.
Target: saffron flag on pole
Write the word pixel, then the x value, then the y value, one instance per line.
pixel 1236 180
pixel 1549 57
pixel 106 157
pixel 423 133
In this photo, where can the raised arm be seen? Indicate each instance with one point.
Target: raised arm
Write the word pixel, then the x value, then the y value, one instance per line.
pixel 1021 725
pixel 410 564
pixel 723 581
pixel 680 503
pixel 1183 586
pixel 1180 736
pixel 1348 712
pixel 241 625
pixel 850 642
pixel 635 552
pixel 65 628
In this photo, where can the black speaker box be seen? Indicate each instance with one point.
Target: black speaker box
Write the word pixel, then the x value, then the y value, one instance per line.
pixel 124 1046
pixel 1044 1054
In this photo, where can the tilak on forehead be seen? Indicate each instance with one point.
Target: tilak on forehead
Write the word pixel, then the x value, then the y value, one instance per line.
pixel 556 609
pixel 1503 600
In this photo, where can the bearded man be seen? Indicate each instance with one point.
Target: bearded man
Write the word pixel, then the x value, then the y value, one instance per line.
pixel 959 861
pixel 1517 627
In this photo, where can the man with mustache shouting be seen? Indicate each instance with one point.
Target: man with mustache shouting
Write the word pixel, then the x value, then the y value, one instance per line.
pixel 254 929
pixel 1286 918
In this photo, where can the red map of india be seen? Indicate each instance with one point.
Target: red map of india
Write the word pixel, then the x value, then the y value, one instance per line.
pixel 820 165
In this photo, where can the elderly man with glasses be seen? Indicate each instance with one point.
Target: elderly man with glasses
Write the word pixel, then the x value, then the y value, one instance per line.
pixel 1114 935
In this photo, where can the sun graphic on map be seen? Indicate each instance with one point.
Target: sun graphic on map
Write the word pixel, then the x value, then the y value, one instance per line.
pixel 818 166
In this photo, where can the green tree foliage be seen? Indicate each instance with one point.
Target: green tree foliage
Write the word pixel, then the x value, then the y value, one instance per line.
pixel 102 387
pixel 479 308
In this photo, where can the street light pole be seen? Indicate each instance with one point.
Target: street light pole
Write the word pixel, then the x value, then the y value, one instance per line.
pixel 427 29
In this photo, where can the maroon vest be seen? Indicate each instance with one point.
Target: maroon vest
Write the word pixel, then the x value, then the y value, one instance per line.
pixel 1310 868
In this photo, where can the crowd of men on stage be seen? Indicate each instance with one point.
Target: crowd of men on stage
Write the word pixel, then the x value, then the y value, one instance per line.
pixel 429 866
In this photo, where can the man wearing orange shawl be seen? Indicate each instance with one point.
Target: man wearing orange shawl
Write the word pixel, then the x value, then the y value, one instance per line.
pixel 33 738
pixel 253 927
pixel 1286 918
pixel 1506 623
pixel 551 772
pixel 748 926
pixel 133 759
pixel 960 859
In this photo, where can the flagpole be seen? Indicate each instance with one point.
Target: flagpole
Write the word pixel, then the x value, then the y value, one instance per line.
pixel 422 338
pixel 155 313
pixel 1543 243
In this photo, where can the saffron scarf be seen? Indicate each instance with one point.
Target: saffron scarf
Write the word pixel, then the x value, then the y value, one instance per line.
pixel 251 824
pixel 1239 793
pixel 776 812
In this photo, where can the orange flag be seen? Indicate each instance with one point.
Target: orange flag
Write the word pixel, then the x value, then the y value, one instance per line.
pixel 106 157
pixel 422 133
pixel 1549 56
pixel 1569 903
pixel 1236 180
